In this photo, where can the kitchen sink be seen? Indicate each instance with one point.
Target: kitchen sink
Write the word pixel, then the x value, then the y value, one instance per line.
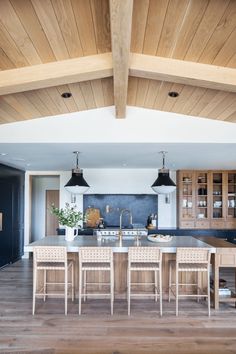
pixel 115 238
pixel 113 234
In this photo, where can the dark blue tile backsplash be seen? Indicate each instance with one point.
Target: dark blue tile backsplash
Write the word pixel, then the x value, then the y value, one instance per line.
pixel 110 205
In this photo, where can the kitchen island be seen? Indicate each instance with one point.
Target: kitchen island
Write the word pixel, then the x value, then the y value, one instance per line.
pixel 120 249
pixel 117 246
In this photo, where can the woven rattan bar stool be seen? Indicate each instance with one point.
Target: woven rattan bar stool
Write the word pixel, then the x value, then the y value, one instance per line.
pixel 143 259
pixel 51 258
pixel 95 259
pixel 196 260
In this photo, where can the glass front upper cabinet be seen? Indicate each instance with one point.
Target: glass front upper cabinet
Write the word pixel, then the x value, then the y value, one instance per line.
pixel 187 198
pixel 231 200
pixel 202 195
pixel 217 195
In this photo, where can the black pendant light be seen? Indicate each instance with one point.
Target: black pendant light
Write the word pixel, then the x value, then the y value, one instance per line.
pixel 163 184
pixel 77 183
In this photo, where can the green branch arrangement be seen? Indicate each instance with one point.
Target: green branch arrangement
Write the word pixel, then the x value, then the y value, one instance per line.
pixel 68 216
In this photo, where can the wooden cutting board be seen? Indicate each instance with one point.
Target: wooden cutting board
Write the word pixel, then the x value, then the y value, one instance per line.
pixel 93 216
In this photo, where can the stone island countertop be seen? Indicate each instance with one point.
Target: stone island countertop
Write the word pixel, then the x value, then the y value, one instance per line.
pixel 117 246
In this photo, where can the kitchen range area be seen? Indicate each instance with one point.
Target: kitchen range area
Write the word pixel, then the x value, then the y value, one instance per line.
pixel 117 176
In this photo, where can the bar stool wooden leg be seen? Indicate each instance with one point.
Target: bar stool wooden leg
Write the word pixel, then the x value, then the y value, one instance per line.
pixel 66 290
pixel 113 284
pixel 84 284
pixel 44 284
pixel 155 285
pixel 170 281
pixel 128 290
pixel 198 285
pixel 80 289
pixel 177 291
pixel 34 289
pixel 112 290
pixel 72 282
pixel 208 293
pixel 160 290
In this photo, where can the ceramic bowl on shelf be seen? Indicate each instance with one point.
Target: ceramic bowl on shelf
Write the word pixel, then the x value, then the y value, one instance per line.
pixel 186 179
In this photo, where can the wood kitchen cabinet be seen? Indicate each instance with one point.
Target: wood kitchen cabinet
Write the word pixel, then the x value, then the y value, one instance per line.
pixel 206 199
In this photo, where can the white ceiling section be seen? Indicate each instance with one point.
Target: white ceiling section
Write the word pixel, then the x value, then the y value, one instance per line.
pixel 47 144
pixel 59 157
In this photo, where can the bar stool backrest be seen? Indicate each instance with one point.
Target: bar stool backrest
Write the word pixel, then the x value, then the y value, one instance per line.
pixel 50 254
pixel 192 255
pixel 96 254
pixel 144 254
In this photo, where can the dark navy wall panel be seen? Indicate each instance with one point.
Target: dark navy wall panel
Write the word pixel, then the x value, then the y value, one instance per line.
pixel 141 205
pixel 12 209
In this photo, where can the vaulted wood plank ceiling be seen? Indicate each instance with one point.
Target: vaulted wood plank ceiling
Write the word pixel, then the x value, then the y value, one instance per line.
pixel 117 52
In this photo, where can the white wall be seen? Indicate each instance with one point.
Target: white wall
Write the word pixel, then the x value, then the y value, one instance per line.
pixel 122 181
pixel 167 211
pixel 100 125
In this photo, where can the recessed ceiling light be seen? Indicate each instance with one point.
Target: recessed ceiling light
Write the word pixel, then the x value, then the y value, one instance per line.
pixel 3 153
pixel 173 94
pixel 66 94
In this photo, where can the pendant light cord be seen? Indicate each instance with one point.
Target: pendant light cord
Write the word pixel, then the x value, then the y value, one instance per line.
pixel 163 158
pixel 77 159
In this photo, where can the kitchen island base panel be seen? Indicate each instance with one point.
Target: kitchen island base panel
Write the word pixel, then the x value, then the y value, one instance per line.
pixel 120 276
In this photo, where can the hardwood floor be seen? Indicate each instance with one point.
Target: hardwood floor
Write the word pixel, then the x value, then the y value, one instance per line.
pixel 96 332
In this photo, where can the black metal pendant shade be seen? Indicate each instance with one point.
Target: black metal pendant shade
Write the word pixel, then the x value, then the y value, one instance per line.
pixel 77 183
pixel 163 184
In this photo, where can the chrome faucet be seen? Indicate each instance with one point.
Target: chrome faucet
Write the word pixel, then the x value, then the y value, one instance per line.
pixel 123 211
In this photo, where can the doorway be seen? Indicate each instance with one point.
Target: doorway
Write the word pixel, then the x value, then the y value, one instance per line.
pixel 51 223
pixel 44 192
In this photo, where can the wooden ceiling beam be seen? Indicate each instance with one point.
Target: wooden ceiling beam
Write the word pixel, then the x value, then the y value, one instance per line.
pixel 56 73
pixel 121 20
pixel 183 72
pixel 100 66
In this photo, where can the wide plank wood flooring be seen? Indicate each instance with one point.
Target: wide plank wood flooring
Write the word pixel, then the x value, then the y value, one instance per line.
pixel 96 332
